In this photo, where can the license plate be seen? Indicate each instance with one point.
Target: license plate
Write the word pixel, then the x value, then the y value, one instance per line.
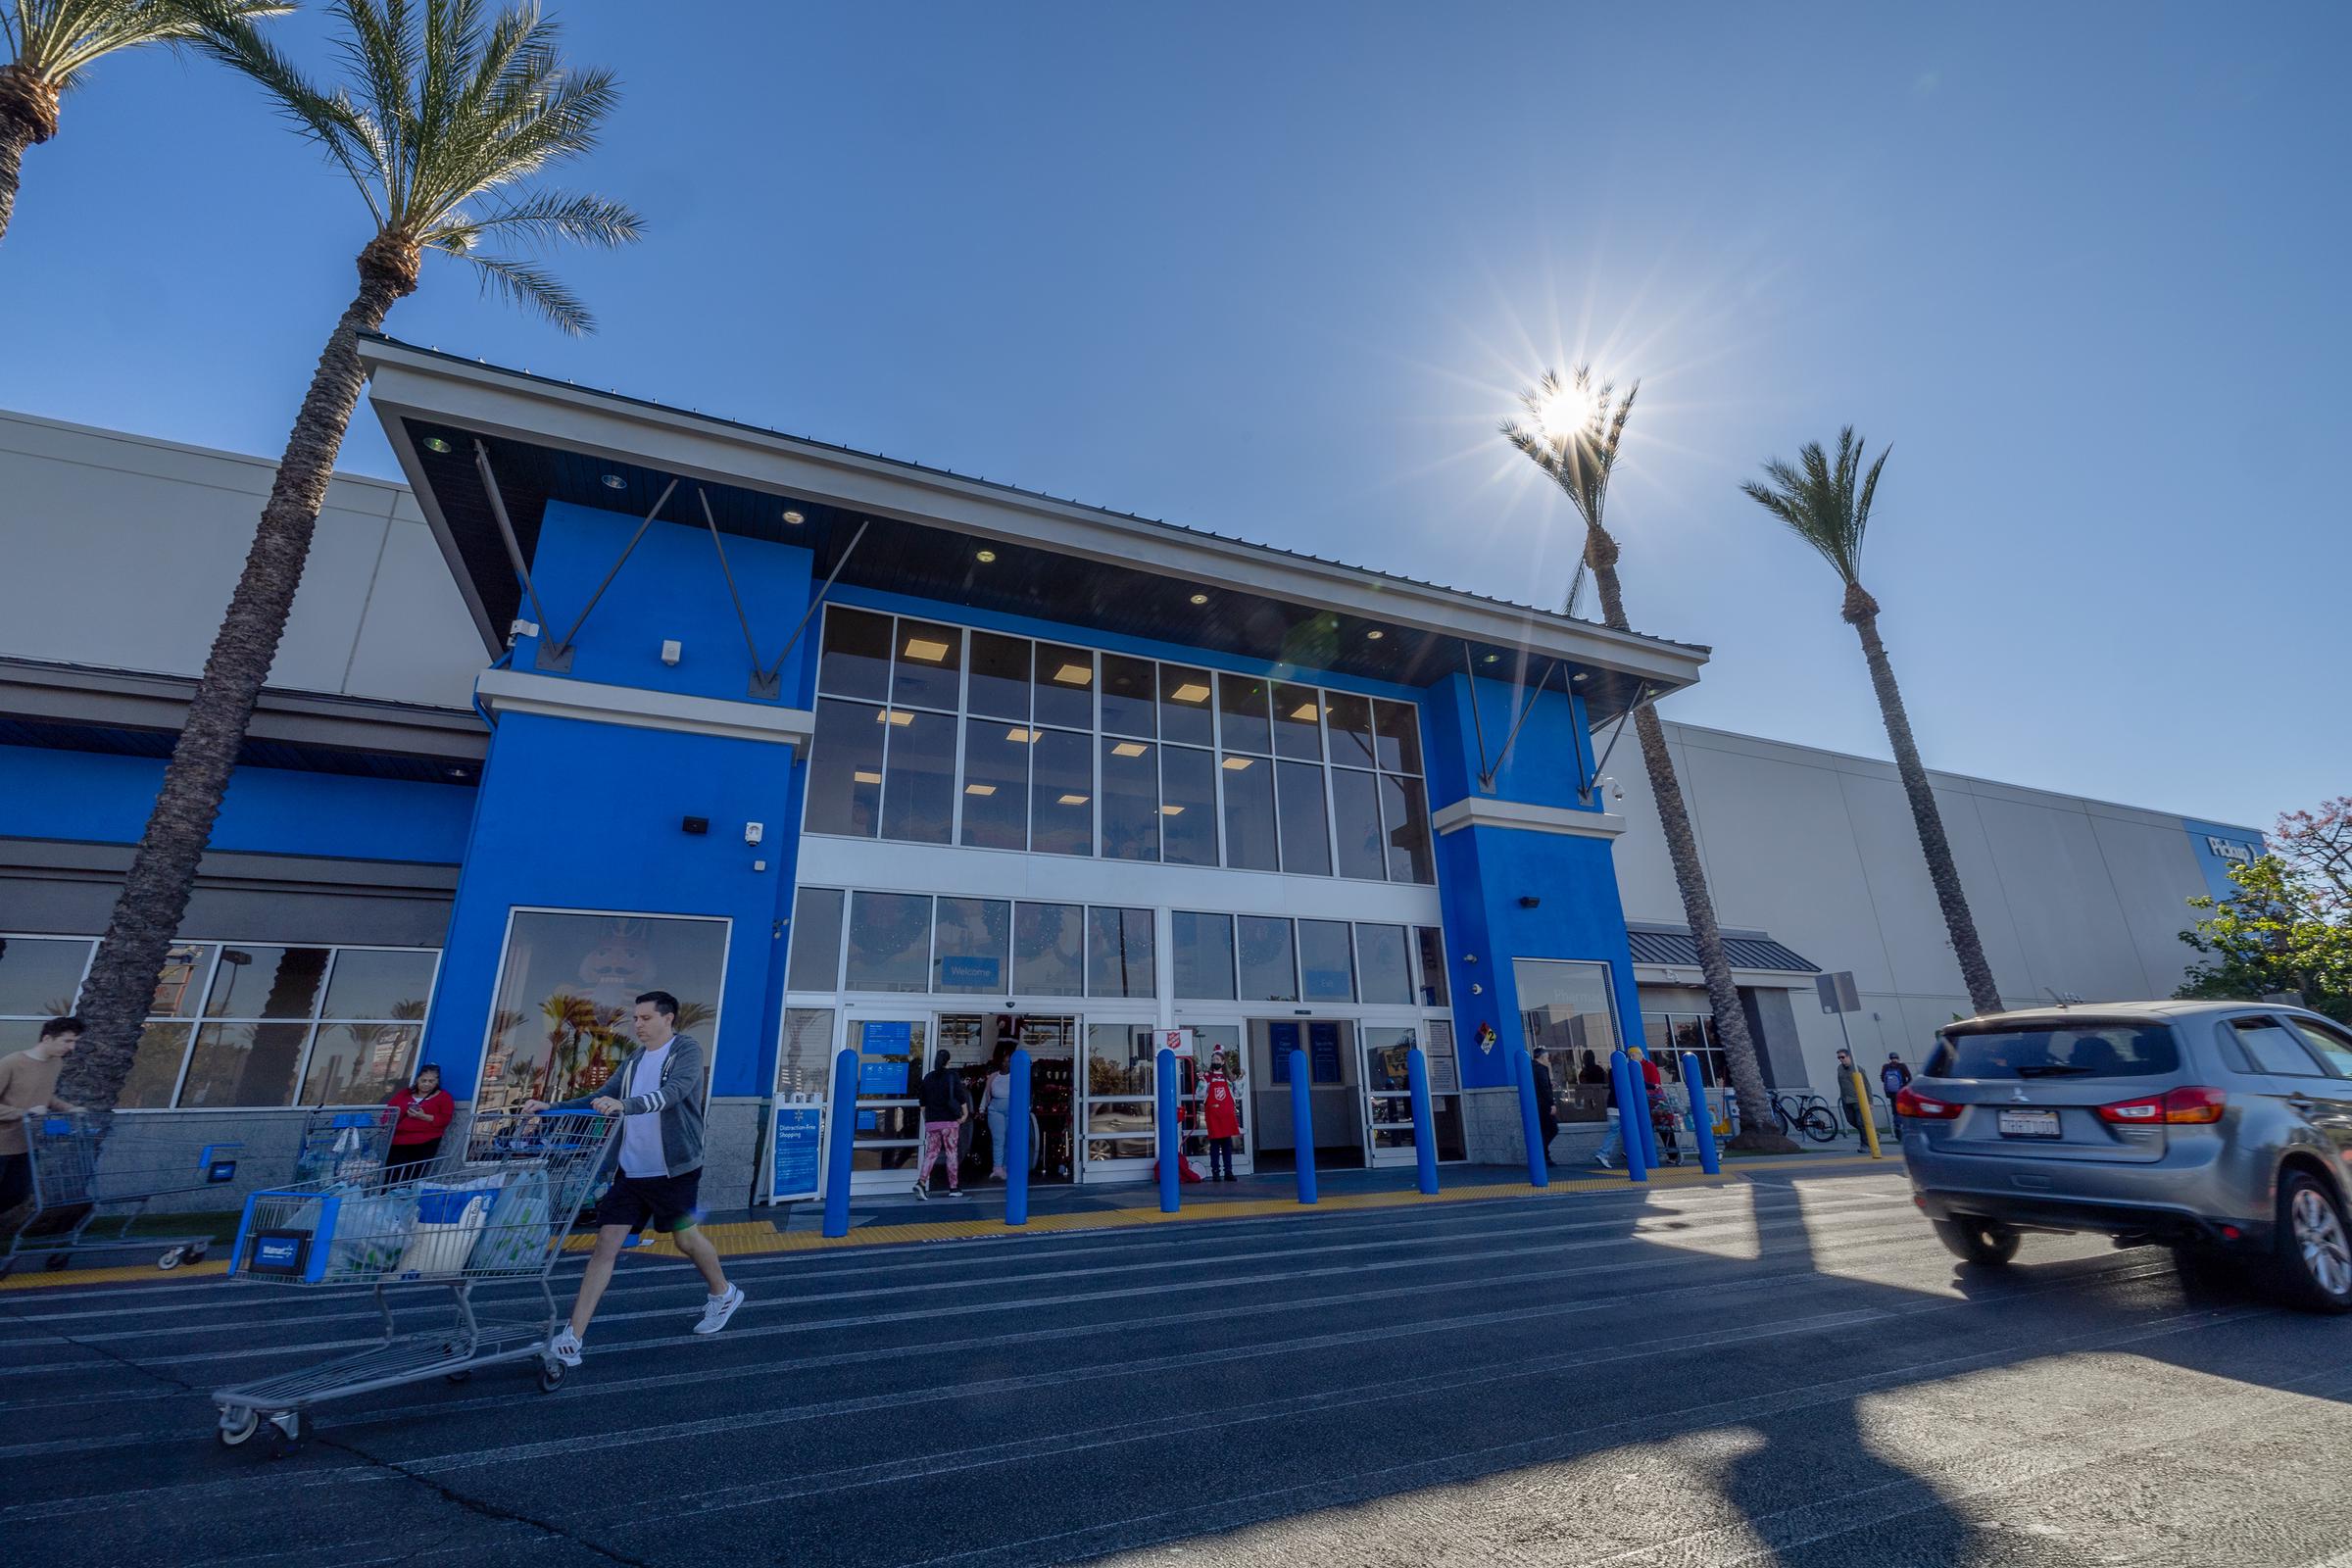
pixel 2029 1124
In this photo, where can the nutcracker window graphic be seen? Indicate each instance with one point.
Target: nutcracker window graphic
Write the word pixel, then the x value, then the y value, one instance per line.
pixel 568 988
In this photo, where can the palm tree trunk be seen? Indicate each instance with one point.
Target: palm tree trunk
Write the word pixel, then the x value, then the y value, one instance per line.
pixel 1757 1130
pixel 27 115
pixel 1983 994
pixel 163 869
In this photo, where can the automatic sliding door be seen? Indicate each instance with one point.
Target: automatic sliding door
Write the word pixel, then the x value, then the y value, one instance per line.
pixel 1117 1120
pixel 1388 1094
pixel 888 1136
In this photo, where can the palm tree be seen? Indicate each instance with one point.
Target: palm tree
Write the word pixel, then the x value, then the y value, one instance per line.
pixel 448 113
pixel 54 42
pixel 1572 433
pixel 1820 501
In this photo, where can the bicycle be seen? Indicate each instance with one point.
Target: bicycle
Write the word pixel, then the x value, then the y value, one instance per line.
pixel 1807 1114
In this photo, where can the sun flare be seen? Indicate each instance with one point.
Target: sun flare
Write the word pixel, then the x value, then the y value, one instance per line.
pixel 1565 410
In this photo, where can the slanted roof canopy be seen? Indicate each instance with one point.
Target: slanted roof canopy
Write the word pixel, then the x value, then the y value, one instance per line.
pixel 1054 560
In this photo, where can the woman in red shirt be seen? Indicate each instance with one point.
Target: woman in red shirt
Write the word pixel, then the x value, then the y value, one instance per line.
pixel 1221 1114
pixel 424 1110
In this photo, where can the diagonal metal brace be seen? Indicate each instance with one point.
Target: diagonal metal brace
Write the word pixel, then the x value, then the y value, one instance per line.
pixel 1486 781
pixel 558 657
pixel 1642 698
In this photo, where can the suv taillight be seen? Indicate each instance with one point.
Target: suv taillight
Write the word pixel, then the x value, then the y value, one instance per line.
pixel 2190 1106
pixel 1909 1102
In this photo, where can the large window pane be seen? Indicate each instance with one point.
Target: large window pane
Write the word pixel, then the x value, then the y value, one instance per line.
pixel 890 942
pixel 845 770
pixel 1250 814
pixel 1061 793
pixel 1326 966
pixel 1065 690
pixel 995 783
pixel 1350 722
pixel 1048 950
pixel 39 975
pixel 253 982
pixel 1188 806
pixel 1203 950
pixel 360 1063
pixel 244 1064
pixel 1298 722
pixel 1268 968
pixel 1000 684
pixel 856 662
pixel 1242 713
pixel 1407 809
pixel 569 987
pixel 928 668
pixel 1306 833
pixel 179 984
pixel 1382 970
pixel 1130 696
pixel 1185 716
pixel 1566 1007
pixel 1398 737
pixel 155 1070
pixel 1356 818
pixel 816 962
pixel 380 983
pixel 919 790
pixel 1118 953
pixel 968 950
pixel 1130 800
pixel 1429 950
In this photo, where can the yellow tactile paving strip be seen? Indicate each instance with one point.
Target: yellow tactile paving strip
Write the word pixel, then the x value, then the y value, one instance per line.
pixel 757 1237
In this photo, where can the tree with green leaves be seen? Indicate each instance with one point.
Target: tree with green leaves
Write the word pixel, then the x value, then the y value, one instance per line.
pixel 53 43
pixel 2280 933
pixel 448 114
pixel 1572 431
pixel 1825 503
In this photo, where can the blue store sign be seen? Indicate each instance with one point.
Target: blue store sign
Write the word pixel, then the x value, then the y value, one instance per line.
pixel 798 1152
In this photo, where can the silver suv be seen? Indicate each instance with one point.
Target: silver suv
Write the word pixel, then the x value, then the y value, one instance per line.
pixel 2211 1127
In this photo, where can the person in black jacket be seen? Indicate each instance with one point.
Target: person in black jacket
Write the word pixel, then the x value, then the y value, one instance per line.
pixel 1547 1100
pixel 945 1107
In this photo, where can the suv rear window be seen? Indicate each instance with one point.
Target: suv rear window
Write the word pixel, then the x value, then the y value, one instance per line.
pixel 2094 1051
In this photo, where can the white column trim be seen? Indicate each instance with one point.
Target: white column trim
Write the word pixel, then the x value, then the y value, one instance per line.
pixel 1479 810
pixel 516 691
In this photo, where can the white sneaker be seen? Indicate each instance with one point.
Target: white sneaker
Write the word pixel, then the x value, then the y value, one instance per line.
pixel 718 1309
pixel 922 1191
pixel 564 1348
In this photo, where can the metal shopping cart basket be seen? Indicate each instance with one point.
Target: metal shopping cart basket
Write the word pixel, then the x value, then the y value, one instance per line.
pixel 345 1143
pixel 495 1206
pixel 89 1165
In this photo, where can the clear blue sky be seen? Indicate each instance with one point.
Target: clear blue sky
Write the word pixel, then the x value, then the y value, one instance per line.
pixel 1276 272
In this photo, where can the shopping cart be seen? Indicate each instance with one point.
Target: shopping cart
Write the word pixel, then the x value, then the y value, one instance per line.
pixel 495 1206
pixel 345 1143
pixel 89 1165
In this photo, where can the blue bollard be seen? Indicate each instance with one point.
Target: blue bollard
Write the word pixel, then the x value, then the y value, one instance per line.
pixel 1531 1120
pixel 1625 1082
pixel 1171 1146
pixel 1649 1129
pixel 1702 1122
pixel 1425 1125
pixel 1303 1126
pixel 845 1136
pixel 1015 1153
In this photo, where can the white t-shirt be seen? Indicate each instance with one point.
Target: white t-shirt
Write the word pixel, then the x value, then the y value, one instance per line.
pixel 641 1135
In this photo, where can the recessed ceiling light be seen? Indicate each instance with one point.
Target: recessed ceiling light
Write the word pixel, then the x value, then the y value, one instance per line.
pixel 1374 635
pixel 1199 598
pixel 984 557
pixel 434 443
pixel 1171 811
pixel 614 481
pixel 979 789
pixel 457 773
pixel 1129 749
pixel 1192 691
pixel 792 518
pixel 896 716
pixel 1306 712
pixel 1019 736
pixel 864 776
pixel 1074 800
pixel 927 648
pixel 1492 658
pixel 1576 679
pixel 1237 763
pixel 1074 674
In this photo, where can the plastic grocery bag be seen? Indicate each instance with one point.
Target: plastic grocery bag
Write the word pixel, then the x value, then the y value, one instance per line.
pixel 369 1233
pixel 446 1228
pixel 517 1236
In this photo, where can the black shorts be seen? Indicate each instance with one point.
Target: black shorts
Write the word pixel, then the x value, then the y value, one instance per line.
pixel 668 1201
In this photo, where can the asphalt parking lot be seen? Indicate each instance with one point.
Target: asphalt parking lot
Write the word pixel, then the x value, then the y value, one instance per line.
pixel 1785 1369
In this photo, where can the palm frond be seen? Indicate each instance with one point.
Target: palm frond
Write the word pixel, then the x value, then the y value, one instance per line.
pixel 533 287
pixel 1819 501
pixel 1580 460
pixel 546 218
pixel 56 40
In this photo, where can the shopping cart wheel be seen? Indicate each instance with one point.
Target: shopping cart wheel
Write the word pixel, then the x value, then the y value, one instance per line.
pixel 550 1376
pixel 286 1432
pixel 237 1425
pixel 196 1254
pixel 173 1258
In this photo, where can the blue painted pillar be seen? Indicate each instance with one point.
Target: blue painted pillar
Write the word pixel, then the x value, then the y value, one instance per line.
pixel 1015 1153
pixel 1171 1146
pixel 1702 1122
pixel 1425 1125
pixel 1531 1120
pixel 1303 1126
pixel 1625 1082
pixel 845 1136
pixel 1649 1129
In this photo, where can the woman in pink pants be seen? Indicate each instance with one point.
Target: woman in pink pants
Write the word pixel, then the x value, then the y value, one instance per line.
pixel 945 1109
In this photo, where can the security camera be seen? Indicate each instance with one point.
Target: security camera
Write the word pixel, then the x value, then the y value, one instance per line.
pixel 754 832
pixel 1616 791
